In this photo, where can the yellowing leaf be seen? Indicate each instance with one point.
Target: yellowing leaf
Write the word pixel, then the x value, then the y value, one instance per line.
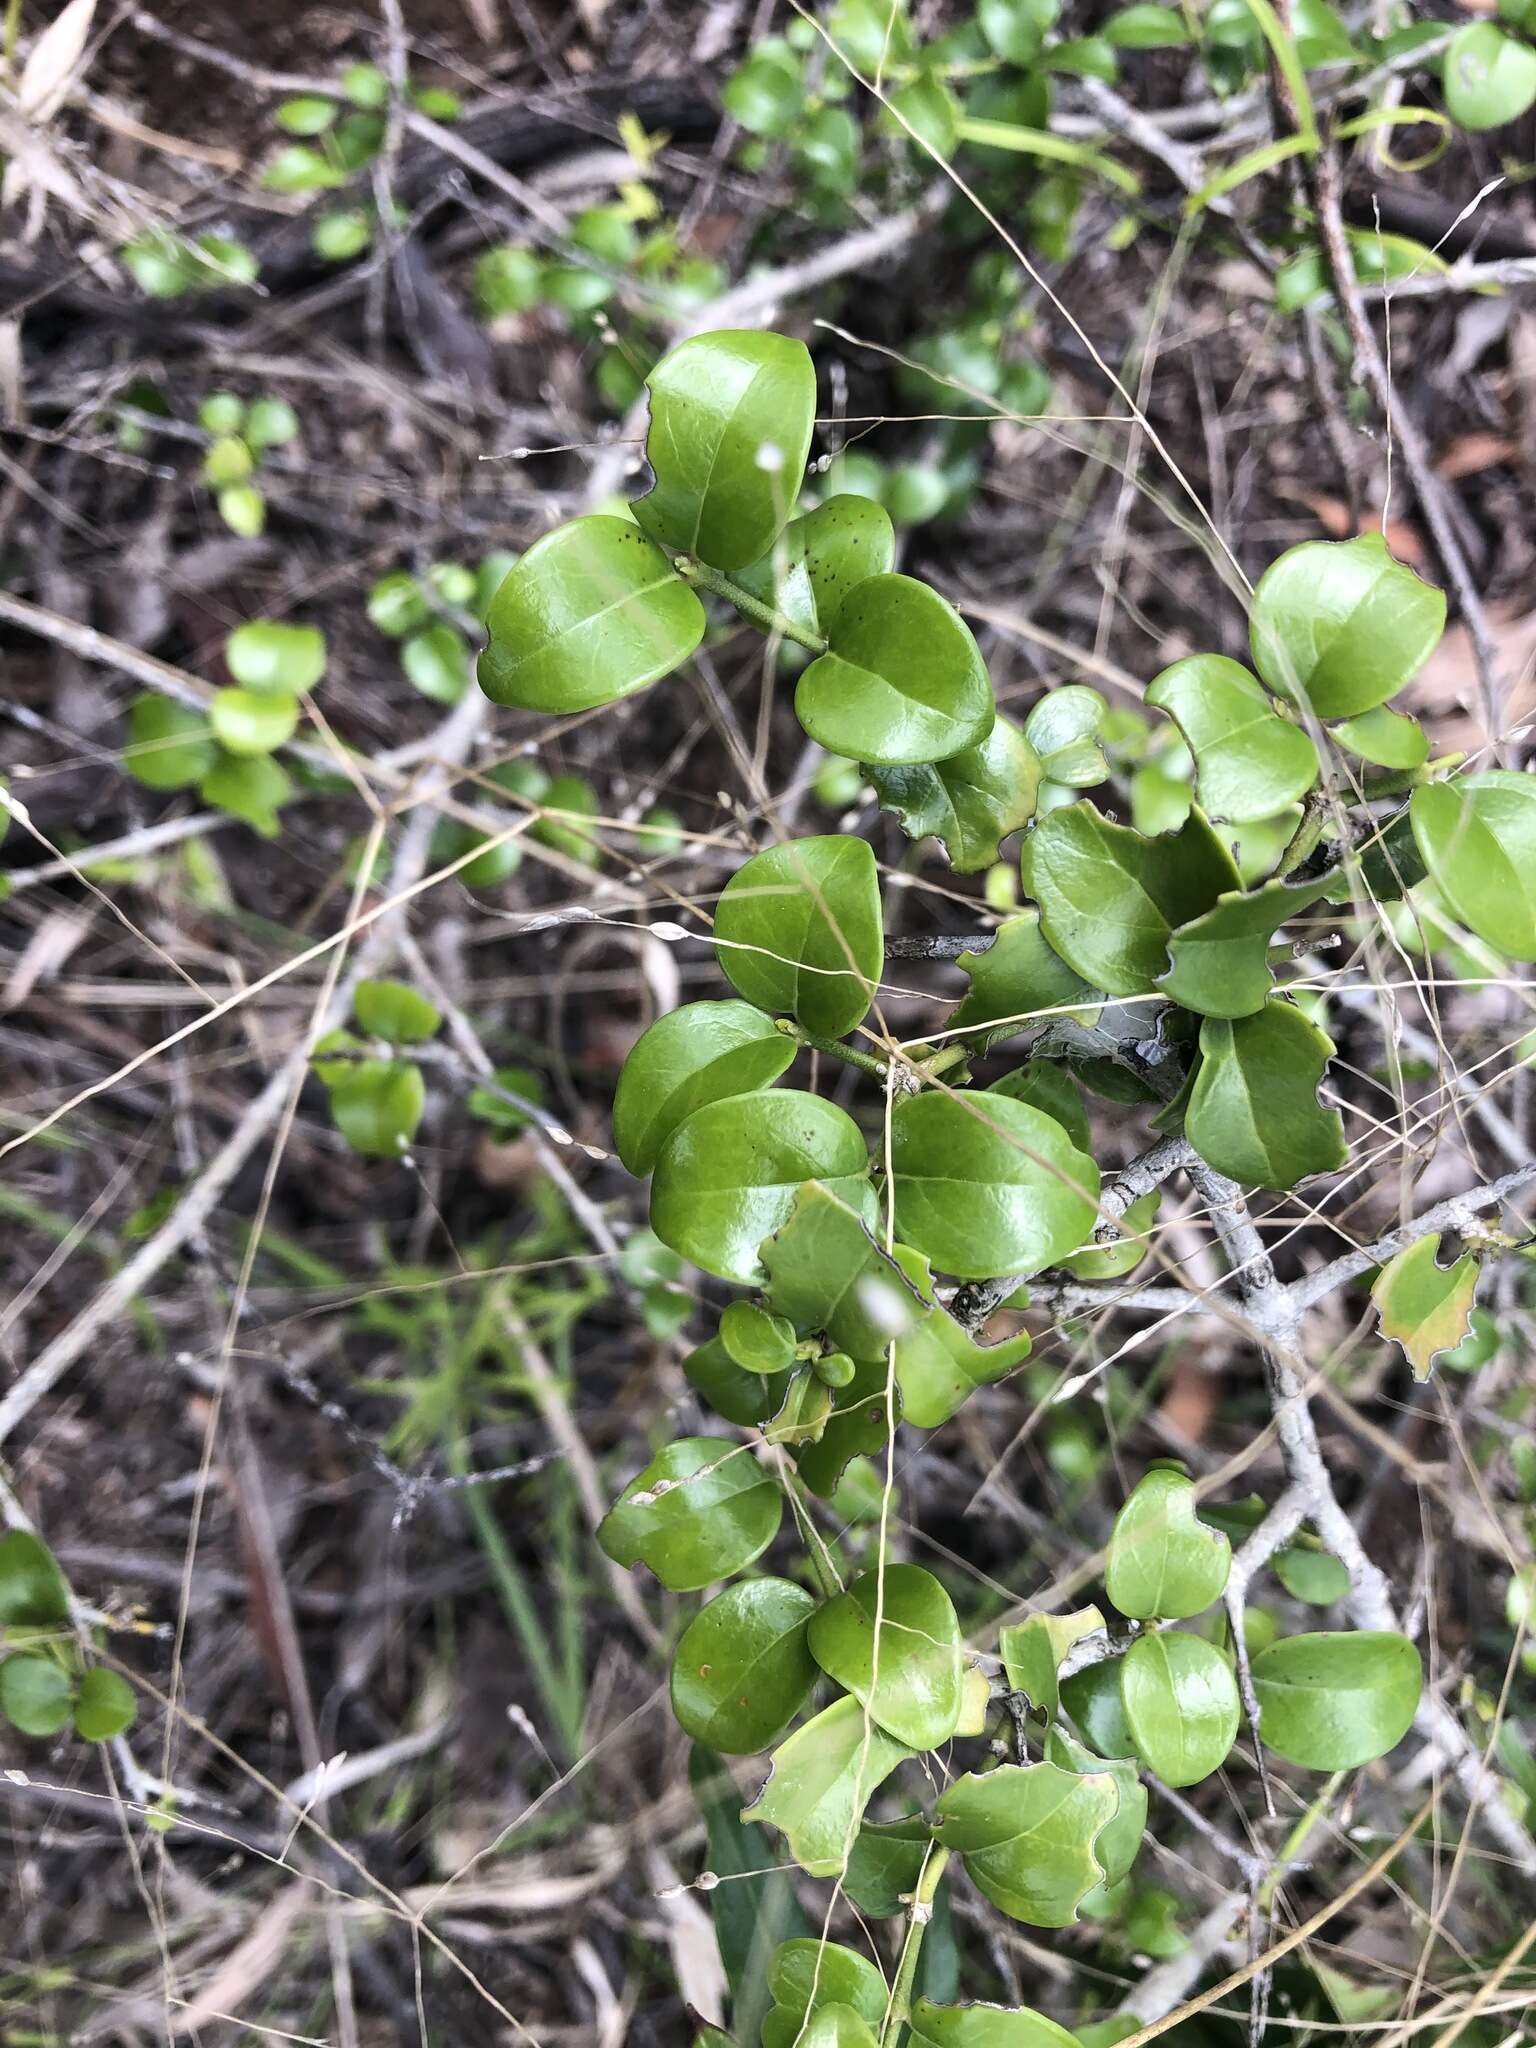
pixel 1427 1307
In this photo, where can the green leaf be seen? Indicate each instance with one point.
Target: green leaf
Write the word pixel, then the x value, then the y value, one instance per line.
pixel 574 796
pixel 436 662
pixel 1032 1652
pixel 1163 1563
pixel 902 680
pixel 821 1780
pixel 819 558
pixel 1046 1085
pixel 263 655
pixel 985 1185
pixel 1339 626
pixel 170 746
pixel 741 1397
pixel 928 111
pixel 939 1365
pixel 243 510
pixel 731 421
pixel 1253 1111
pixel 1425 1306
pixel 1063 730
pixel 1490 78
pixel 1125 1254
pixel 1092 1697
pixel 1016 29
pixel 33 1591
pixel 757 1341
pixel 1384 737
pixel 871 34
pixel 378 1107
pixel 885 1865
pixel 1249 761
pixel 1110 900
pixel 753 1910
pixel 253 721
pixel 253 788
pixel 985 2026
pixel 35 1695
pixel 910 1679
pixel 1027 1833
pixel 1478 839
pixel 104 1705
pixel 590 613
pixel 972 801
pixel 700 1511
pixel 743 1669
pixel 864 1413
pixel 1219 962
pixel 1310 1574
pixel 1146 26
pixel 806 1977
pixel 1018 984
pixel 798 929
pixel 838 2026
pixel 1116 1848
pixel 826 1271
pixel 766 93
pixel 691 1056
pixel 727 1177
pixel 1331 1702
pixel 1181 1705
pixel 395 1011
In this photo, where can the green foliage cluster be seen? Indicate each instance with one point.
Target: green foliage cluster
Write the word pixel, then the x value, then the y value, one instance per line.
pixel 334 137
pixel 377 1093
pixel 46 1682
pixel 241 434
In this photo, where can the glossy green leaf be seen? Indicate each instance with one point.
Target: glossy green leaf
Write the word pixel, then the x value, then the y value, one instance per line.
pixel 378 1107
pixel 395 1011
pixel 1046 1085
pixel 1146 26
pixel 1384 737
pixel 1116 1847
pixel 436 662
pixel 701 1510
pixel 590 613
pixel 1063 729
pixel 1033 1650
pixel 1310 1575
pixel 798 930
pixel 731 421
pixel 985 1185
pixel 1110 900
pixel 266 655
pixel 757 1341
pixel 1332 1702
pixel 1340 626
pixel 821 1780
pixel 1181 1705
pixel 1425 1306
pixel 741 1397
pixel 743 1669
pixel 727 1177
pixel 939 1365
pixel 253 721
pixel 36 1696
pixel 863 1415
pixel 1027 1833
pixel 169 745
pixel 827 1271
pixel 1490 77
pixel 837 2026
pixel 1016 29
pixel 910 1678
pixel 1249 761
pixel 1018 984
pixel 1092 1697
pixel 766 93
pixel 819 558
pixel 971 802
pixel 104 1705
pixel 805 1977
pixel 1253 1111
pixel 1219 961
pixel 1113 1261
pixel 885 1865
pixel 1477 836
pixel 803 1411
pixel 697 1054
pixel 253 788
pixel 1163 1563
pixel 985 2026
pixel 33 1591
pixel 902 681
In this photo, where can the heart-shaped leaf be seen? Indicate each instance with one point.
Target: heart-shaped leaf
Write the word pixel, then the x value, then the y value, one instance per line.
pixel 700 1053
pixel 731 421
pixel 1063 730
pixel 1249 761
pixel 985 1185
pixel 378 1106
pixel 907 1672
pixel 1331 1702
pixel 590 613
pixel 1110 899
pixel 1163 1563
pixel 1478 838
pixel 985 2026
pixel 819 558
pixel 972 801
pixel 1027 1833
pixel 798 930
pixel 1032 1652
pixel 1427 1307
pixel 743 1668
pixel 727 1177
pixel 701 1510
pixel 1181 1705
pixel 805 1977
pixel 1253 1111
pixel 1340 626
pixel 1018 984
pixel 1219 962
pixel 902 679
pixel 821 1780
